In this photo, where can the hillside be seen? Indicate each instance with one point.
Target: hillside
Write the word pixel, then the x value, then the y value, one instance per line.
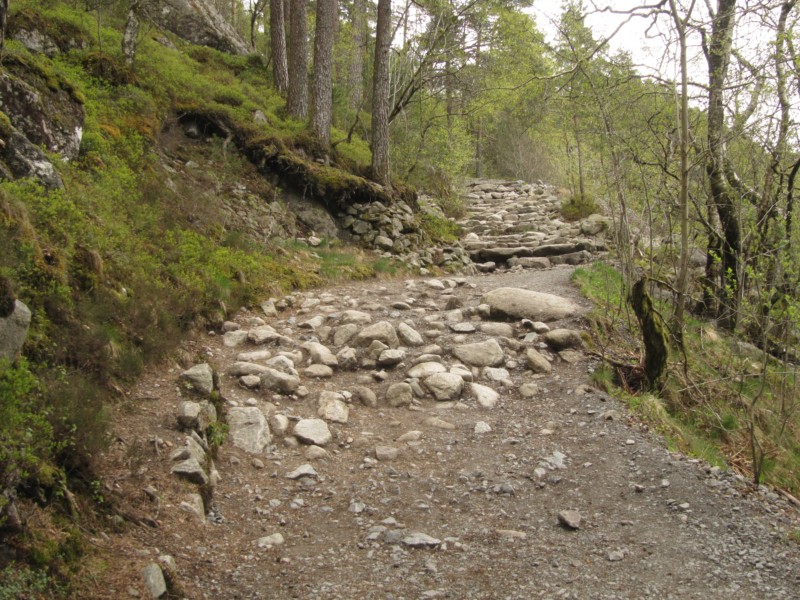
pixel 250 343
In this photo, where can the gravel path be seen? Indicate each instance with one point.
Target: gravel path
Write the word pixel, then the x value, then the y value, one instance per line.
pixel 456 512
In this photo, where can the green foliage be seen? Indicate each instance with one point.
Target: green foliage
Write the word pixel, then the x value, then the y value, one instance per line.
pixel 438 229
pixel 579 207
pixel 18 582
pixel 27 441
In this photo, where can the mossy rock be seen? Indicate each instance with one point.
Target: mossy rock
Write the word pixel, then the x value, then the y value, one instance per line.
pixel 46 34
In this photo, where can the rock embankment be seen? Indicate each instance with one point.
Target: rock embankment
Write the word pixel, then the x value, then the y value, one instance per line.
pixel 517 224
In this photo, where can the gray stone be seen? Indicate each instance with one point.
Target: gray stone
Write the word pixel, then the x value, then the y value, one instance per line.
pixel 313 431
pixel 268 541
pixel 480 354
pixel 561 339
pixel 486 396
pixel 355 317
pixel 383 331
pixel 347 358
pixel 277 381
pixel 440 423
pixel 399 394
pixel 278 423
pixel 497 329
pixel 345 333
pixel 262 335
pixel 200 378
pixel 594 224
pixel 234 338
pixel 528 390
pixel 518 303
pixel 391 357
pixel 416 539
pixel 248 429
pixel 571 519
pixel 366 396
pixel 320 354
pixel 426 369
pixel 386 453
pixel 331 407
pixel 196 415
pixel 14 330
pixel 191 470
pixel 318 371
pixel 154 580
pixel 199 22
pixel 444 386
pixel 305 470
pixel 536 362
pixel 240 368
pixel 409 335
pixel 482 427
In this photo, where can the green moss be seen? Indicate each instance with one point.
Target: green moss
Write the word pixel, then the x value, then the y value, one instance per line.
pixel 579 207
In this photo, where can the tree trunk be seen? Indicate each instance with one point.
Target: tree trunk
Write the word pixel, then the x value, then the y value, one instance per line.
pixel 297 102
pixel 683 199
pixel 355 76
pixel 321 86
pixel 3 17
pixel 277 42
pixel 129 37
pixel 380 95
pixel 718 57
pixel 581 182
pixel 653 334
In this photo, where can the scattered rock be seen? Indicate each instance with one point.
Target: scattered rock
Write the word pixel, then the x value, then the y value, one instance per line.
pixel 515 303
pixel 312 431
pixel 571 519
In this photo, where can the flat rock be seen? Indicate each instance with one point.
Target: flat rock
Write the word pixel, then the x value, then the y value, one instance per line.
pixel 331 407
pixel 486 396
pixel 318 371
pixel 278 381
pixel 241 368
pixel 386 453
pixel 268 541
pixel 561 339
pixel 383 331
pixel 426 369
pixel 248 429
pixel 416 539
pixel 480 354
pixel 320 354
pixel 571 519
pixel 440 423
pixel 444 386
pixel 305 470
pixel 262 335
pixel 313 431
pixel 516 303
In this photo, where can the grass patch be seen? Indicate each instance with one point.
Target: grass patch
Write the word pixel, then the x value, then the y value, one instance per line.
pixel 579 207
pixel 730 392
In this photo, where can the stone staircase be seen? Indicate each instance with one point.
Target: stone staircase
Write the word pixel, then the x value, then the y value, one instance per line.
pixel 513 224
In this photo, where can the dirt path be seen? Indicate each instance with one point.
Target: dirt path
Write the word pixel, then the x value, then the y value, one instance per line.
pixel 653 524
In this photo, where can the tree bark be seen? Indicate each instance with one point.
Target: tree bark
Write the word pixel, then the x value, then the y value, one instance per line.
pixel 321 82
pixel 683 199
pixel 380 95
pixel 3 18
pixel 653 334
pixel 355 75
pixel 718 56
pixel 277 42
pixel 297 102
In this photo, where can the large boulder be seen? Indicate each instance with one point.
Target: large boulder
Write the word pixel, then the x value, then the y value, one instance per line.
pixel 20 158
pixel 516 303
pixel 14 330
pixel 480 354
pixel 199 22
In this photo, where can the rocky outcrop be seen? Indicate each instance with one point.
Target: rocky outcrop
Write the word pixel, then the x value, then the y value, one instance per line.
pixel 47 115
pixel 20 158
pixel 198 22
pixel 14 330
